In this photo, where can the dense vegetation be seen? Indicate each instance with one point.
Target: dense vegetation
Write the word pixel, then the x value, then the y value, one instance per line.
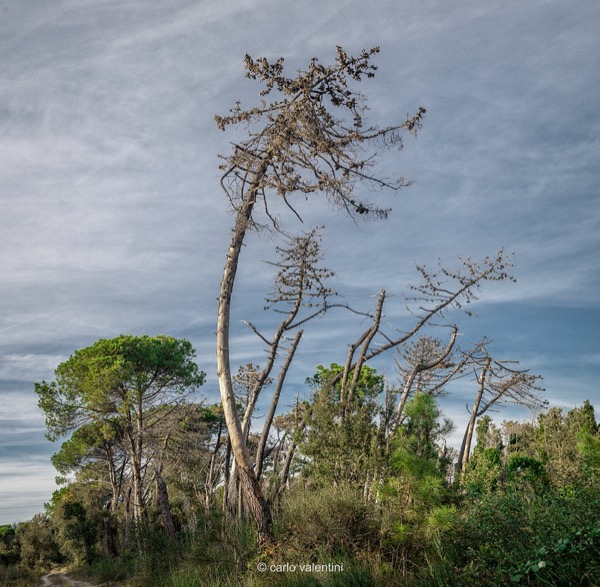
pixel 355 485
pixel 525 511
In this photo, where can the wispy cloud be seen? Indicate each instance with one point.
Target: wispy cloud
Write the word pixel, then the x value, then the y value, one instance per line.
pixel 113 221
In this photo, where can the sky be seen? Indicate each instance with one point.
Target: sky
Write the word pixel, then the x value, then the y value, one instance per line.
pixel 113 221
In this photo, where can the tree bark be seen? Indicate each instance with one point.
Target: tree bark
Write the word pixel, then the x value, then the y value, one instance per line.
pixel 210 476
pixel 164 506
pixel 257 505
pixel 260 452
pixel 365 340
pixel 109 534
pixel 135 443
pixel 285 473
pixel 466 443
pixel 365 346
pixel 226 473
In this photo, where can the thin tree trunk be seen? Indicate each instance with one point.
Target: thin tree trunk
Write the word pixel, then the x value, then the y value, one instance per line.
pixel 209 483
pixel 137 496
pixel 114 484
pixel 226 473
pixel 270 488
pixel 285 473
pixel 109 534
pixel 260 452
pixel 135 433
pixel 466 443
pixel 365 339
pixel 232 488
pixel 164 506
pixel 365 346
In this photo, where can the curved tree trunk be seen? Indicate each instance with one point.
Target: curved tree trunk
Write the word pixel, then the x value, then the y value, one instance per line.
pixel 253 495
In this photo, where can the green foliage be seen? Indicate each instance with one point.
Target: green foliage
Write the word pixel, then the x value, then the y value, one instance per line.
pixel 111 377
pixel 76 531
pixel 570 559
pixel 353 575
pixel 526 474
pixel 526 511
pixel 560 450
pixel 38 546
pixel 369 384
pixel 560 446
pixel 342 443
pixel 18 576
pixel 484 471
pixel 416 454
pixel 507 534
pixel 87 443
pixel 115 396
pixel 418 470
pixel 588 447
pixel 110 569
pixel 6 530
pixel 327 521
pixel 9 547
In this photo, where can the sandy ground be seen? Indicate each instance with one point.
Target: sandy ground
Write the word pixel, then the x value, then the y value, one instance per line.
pixel 59 577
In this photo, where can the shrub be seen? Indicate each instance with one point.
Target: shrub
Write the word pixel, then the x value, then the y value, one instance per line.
pixel 328 521
pixel 542 538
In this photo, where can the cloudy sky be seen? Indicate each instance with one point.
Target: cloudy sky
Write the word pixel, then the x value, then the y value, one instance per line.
pixel 112 219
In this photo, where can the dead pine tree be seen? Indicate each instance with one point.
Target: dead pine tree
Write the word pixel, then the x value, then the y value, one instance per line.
pixel 310 139
pixel 438 292
pixel 497 382
pixel 300 294
pixel 425 365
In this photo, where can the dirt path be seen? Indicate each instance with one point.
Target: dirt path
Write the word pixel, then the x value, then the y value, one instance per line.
pixel 60 578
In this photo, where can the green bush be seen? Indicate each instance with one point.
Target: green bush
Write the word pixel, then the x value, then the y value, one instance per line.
pixel 109 570
pixel 18 576
pixel 573 560
pixel 540 539
pixel 328 521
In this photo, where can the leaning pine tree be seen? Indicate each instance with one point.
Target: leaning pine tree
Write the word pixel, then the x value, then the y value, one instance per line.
pixel 310 139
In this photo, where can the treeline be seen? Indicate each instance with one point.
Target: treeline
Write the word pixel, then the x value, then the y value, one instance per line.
pixel 149 493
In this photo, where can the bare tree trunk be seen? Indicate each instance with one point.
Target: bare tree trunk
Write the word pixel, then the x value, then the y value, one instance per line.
pixel 135 435
pixel 271 487
pixel 164 506
pixel 232 488
pixel 226 472
pixel 256 502
pixel 240 501
pixel 137 495
pixel 466 443
pixel 114 482
pixel 285 473
pixel 346 393
pixel 109 534
pixel 128 516
pixel 303 148
pixel 209 483
pixel 260 452
pixel 365 346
